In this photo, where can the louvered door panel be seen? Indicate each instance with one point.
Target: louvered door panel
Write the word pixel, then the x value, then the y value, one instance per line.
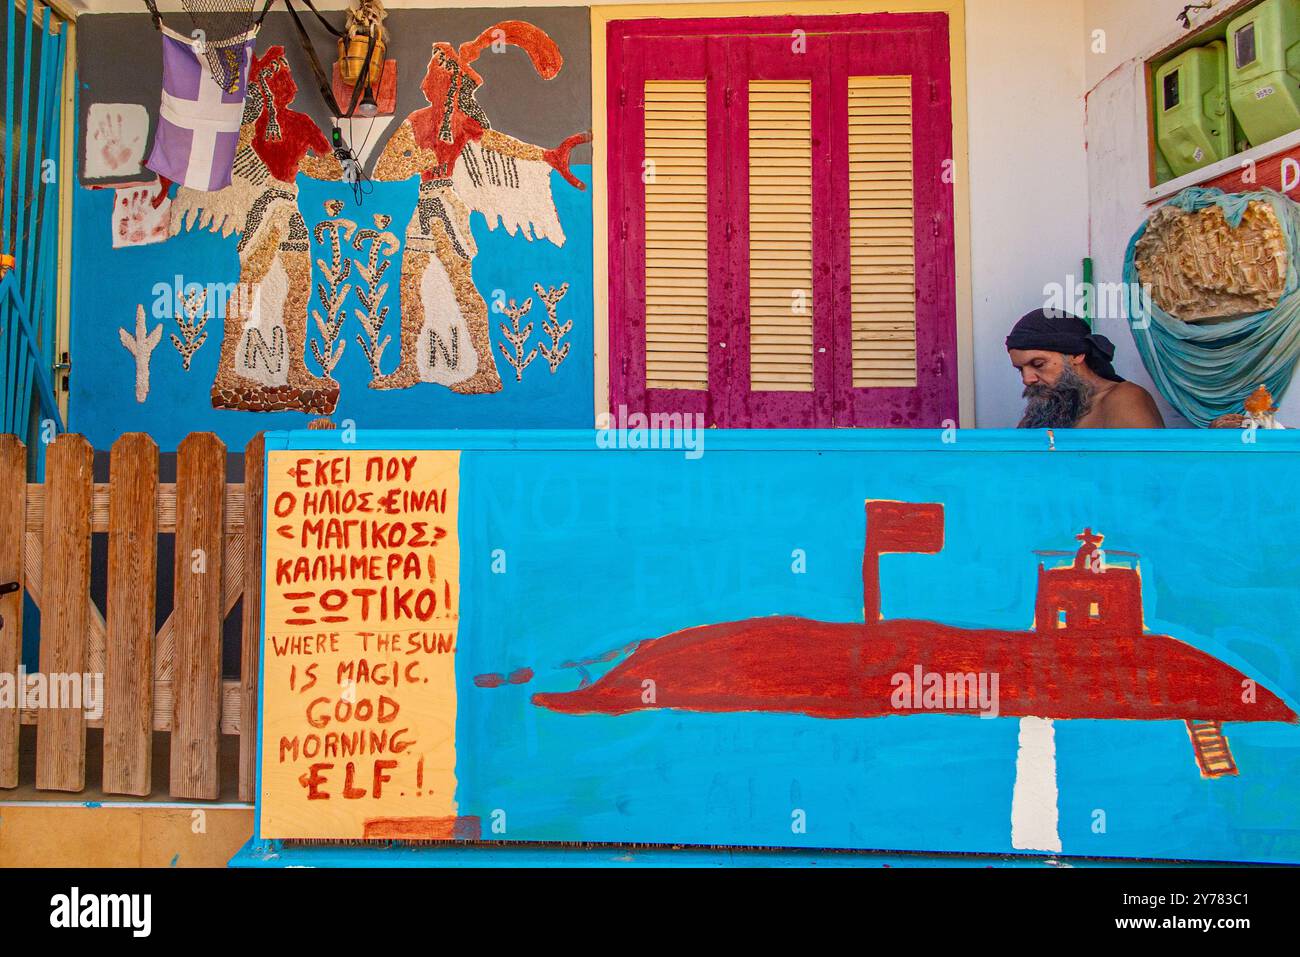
pixel 780 236
pixel 790 262
pixel 881 230
pixel 676 235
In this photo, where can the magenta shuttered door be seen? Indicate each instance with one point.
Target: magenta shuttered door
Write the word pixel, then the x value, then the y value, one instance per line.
pixel 781 228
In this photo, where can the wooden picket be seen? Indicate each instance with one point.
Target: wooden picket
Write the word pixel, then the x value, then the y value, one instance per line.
pixel 132 577
pixel 196 727
pixel 65 594
pixel 250 652
pixel 168 680
pixel 13 479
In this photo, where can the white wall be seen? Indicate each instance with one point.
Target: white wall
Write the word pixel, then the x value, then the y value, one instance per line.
pixel 1133 28
pixel 1118 176
pixel 1028 176
pixel 1117 143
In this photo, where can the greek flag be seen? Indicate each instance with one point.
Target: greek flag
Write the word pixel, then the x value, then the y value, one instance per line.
pixel 198 121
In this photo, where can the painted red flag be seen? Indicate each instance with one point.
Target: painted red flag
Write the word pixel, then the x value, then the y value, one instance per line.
pixel 896 527
pixel 904 527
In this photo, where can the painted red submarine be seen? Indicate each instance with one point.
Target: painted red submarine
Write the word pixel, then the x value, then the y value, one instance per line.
pixel 1088 656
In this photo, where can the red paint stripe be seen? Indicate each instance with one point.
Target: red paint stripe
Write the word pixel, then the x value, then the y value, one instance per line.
pixel 453 828
pixel 837 670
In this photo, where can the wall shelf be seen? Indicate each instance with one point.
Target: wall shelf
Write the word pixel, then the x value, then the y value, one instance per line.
pixel 1268 159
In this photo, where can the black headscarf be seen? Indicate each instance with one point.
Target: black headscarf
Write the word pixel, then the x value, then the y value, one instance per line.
pixel 1061 332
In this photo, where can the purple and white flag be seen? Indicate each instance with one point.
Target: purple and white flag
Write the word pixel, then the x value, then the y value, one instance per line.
pixel 198 121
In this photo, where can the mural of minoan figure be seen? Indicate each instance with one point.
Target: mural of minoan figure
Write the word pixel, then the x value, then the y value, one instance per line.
pixel 263 367
pixel 465 165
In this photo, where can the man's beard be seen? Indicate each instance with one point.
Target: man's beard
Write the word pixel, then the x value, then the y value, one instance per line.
pixel 1057 406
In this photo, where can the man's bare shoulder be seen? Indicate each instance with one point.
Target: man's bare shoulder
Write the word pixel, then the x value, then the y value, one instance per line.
pixel 1128 406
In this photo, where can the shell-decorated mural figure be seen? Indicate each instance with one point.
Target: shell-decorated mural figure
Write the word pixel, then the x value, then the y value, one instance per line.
pixel 464 165
pixel 262 366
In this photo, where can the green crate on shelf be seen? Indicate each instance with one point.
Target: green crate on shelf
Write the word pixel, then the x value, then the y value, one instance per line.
pixel 1264 69
pixel 1193 126
pixel 1163 173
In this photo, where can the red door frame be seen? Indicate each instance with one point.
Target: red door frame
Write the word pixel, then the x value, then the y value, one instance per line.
pixel 712 49
pixel 676 59
pixel 935 399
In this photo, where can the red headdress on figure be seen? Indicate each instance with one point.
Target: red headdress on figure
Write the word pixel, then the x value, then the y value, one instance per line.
pixel 455 117
pixel 282 136
pixel 269 76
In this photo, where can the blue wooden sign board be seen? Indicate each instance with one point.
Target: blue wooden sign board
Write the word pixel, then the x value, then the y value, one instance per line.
pixel 759 643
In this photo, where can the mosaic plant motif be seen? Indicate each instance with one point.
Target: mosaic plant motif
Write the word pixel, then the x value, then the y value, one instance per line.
pixel 332 292
pixel 517 337
pixel 141 346
pixel 371 289
pixel 191 320
pixel 551 325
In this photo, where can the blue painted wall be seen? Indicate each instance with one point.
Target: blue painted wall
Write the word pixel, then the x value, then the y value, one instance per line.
pixel 609 547
pixel 108 284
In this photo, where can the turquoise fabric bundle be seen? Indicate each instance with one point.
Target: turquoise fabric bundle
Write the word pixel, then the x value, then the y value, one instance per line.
pixel 1206 369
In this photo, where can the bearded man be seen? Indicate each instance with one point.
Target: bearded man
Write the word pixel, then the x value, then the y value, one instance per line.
pixel 1069 380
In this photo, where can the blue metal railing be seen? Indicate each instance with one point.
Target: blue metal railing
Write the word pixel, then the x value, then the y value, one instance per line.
pixel 30 225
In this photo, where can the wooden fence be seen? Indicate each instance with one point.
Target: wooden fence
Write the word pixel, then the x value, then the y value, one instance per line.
pixel 165 681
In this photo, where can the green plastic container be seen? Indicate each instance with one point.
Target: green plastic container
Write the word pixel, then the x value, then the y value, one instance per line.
pixel 1193 126
pixel 1163 173
pixel 1264 69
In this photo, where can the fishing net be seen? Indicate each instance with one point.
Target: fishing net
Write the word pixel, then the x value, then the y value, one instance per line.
pixel 219 27
pixel 222 21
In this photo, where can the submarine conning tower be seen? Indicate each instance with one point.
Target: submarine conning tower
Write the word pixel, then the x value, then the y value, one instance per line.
pixel 1089 597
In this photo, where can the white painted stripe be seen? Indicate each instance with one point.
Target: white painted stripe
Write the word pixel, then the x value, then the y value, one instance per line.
pixel 1034 814
pixel 205 111
pixel 204 118
pixel 198 172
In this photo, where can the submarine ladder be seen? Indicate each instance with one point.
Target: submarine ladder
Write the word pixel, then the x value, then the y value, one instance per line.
pixel 1211 747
